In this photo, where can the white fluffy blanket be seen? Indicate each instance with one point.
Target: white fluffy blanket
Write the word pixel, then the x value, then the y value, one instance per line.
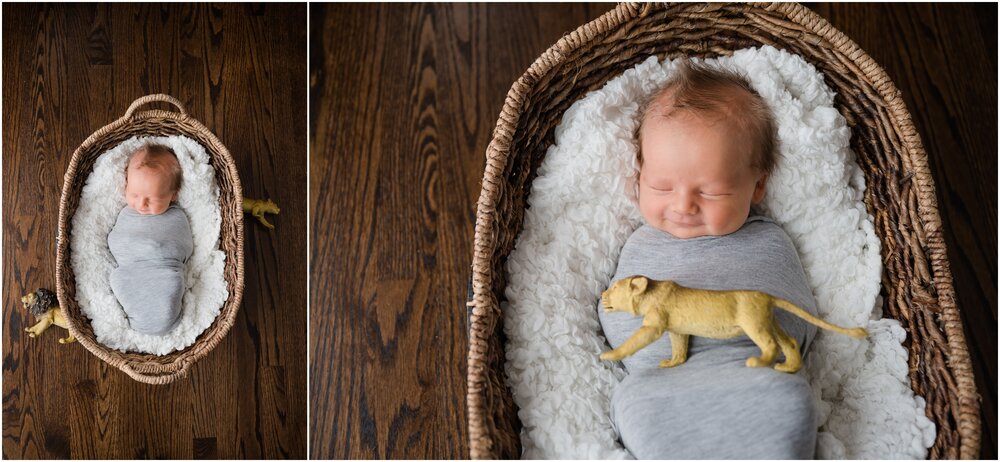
pixel 581 210
pixel 102 198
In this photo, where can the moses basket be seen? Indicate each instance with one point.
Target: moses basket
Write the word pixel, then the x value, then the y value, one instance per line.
pixel 149 368
pixel 916 280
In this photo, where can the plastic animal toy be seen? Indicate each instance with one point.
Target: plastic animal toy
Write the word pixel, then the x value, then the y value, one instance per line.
pixel 44 305
pixel 681 311
pixel 258 208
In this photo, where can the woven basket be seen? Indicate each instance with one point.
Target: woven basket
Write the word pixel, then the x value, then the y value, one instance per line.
pixel 916 280
pixel 142 367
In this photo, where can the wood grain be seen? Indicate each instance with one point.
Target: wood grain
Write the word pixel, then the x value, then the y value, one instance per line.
pixel 404 99
pixel 240 70
pixel 403 102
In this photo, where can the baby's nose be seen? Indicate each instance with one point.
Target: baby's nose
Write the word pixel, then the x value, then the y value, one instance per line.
pixel 685 204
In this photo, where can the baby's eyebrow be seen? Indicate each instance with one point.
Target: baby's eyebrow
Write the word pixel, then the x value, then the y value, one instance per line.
pixel 658 184
pixel 650 178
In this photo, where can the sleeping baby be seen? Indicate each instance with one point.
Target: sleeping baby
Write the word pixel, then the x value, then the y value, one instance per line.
pixel 707 144
pixel 151 242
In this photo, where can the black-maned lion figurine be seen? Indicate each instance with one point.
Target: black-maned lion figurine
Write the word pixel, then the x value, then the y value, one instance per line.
pixel 44 305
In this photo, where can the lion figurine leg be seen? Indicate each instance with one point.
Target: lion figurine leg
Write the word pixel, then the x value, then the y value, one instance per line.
pixel 642 337
pixel 59 320
pixel 790 347
pixel 258 208
pixel 761 335
pixel 679 350
pixel 39 327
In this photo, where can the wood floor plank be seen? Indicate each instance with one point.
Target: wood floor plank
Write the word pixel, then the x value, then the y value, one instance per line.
pixel 240 70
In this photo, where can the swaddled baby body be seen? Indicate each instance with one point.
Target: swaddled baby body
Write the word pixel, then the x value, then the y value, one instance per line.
pixel 713 406
pixel 151 243
pixel 707 144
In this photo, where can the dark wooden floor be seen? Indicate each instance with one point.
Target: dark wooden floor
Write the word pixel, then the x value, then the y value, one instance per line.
pixel 240 70
pixel 403 102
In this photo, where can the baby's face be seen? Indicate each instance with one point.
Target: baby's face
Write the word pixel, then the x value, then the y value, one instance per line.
pixel 148 190
pixel 696 179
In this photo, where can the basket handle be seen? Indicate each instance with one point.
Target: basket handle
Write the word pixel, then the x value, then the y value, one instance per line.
pixel 155 379
pixel 150 98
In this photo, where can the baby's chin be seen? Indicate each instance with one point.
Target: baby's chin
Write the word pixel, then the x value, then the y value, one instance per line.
pixel 148 212
pixel 683 232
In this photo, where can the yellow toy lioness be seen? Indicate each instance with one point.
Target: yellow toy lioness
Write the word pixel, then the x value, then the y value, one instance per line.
pixel 682 311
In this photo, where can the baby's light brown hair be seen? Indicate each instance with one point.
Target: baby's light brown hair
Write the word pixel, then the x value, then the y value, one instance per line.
pixel 720 94
pixel 160 157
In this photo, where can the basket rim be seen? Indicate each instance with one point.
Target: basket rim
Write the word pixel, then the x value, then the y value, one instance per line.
pixel 132 363
pixel 497 155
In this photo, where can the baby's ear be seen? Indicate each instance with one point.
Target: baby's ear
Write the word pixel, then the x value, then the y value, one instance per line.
pixel 759 189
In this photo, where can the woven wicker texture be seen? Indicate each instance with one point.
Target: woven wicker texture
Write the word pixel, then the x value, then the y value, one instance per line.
pixel 142 367
pixel 916 279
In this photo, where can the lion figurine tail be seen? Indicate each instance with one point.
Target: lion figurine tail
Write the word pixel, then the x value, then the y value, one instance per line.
pixel 856 332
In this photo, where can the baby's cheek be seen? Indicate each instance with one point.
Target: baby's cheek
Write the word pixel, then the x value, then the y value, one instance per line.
pixel 717 217
pixel 737 215
pixel 644 205
pixel 654 210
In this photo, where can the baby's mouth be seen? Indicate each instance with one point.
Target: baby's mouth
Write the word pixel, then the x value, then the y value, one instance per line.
pixel 684 223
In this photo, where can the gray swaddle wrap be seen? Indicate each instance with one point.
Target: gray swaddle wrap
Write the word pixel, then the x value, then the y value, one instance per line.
pixel 713 406
pixel 151 252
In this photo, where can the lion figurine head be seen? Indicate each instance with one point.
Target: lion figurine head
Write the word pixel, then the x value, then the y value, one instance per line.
pixel 38 302
pixel 621 296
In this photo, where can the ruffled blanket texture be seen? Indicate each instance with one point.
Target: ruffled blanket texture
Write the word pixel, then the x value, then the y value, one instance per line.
pixel 102 198
pixel 582 208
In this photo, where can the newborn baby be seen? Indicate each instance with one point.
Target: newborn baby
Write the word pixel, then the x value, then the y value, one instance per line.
pixel 707 144
pixel 151 242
